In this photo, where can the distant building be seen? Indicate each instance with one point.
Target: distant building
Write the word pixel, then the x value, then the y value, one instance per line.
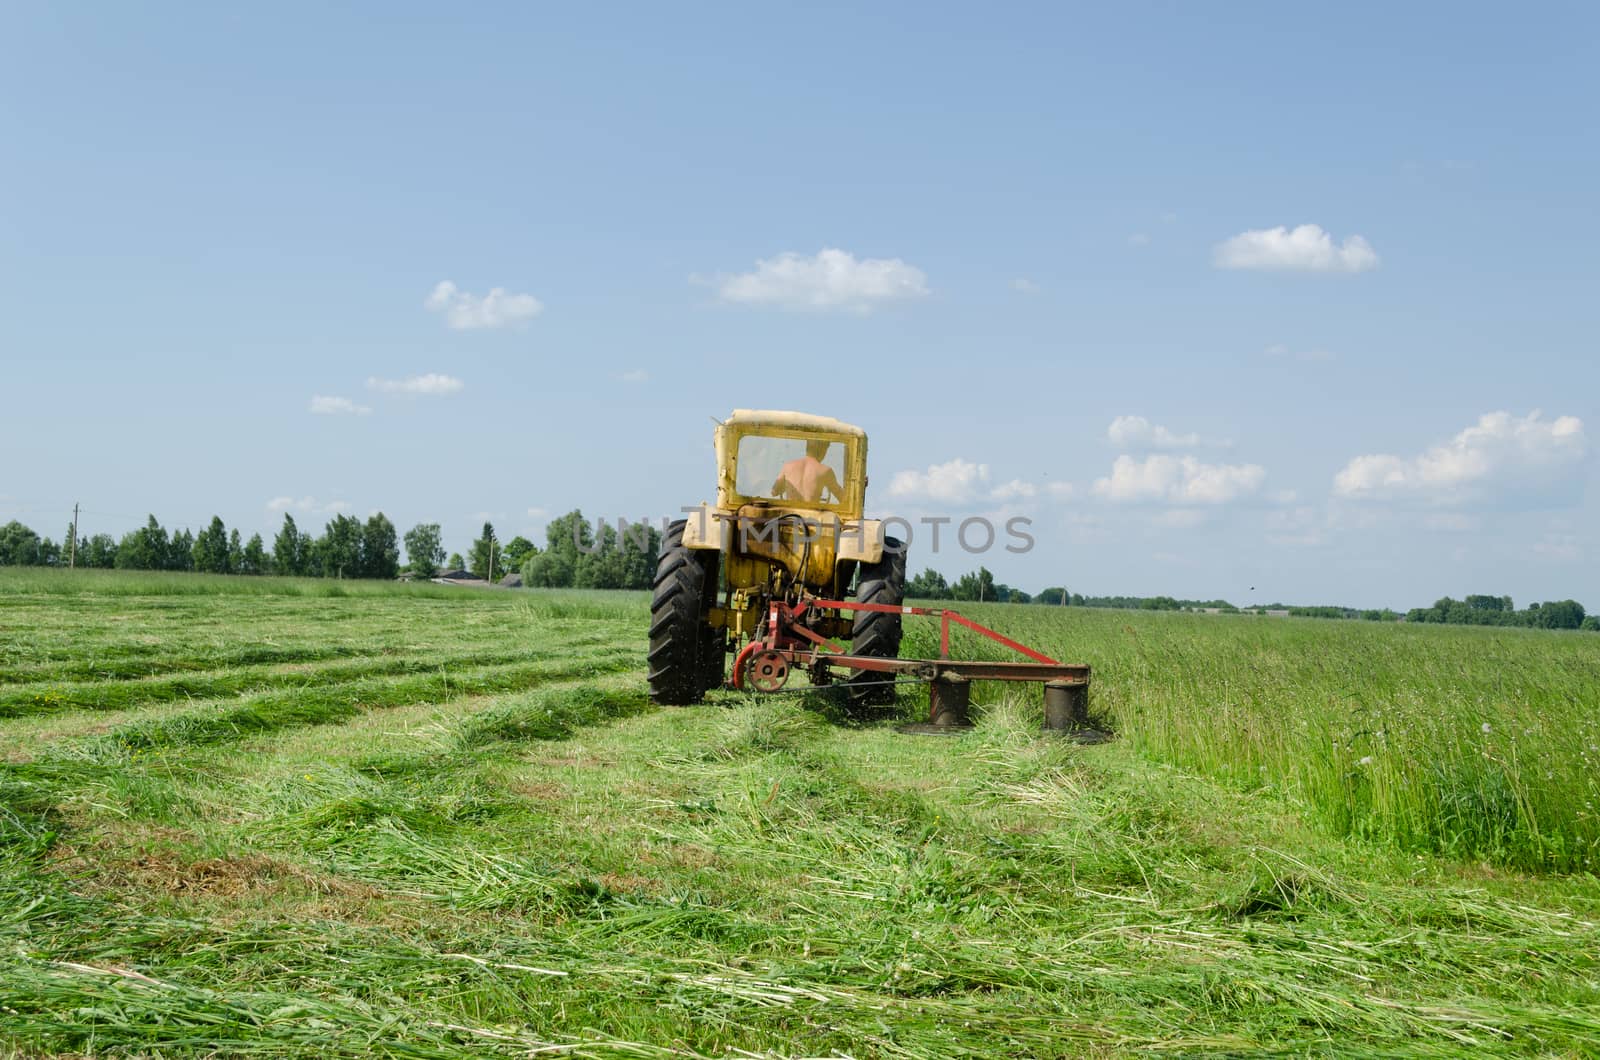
pixel 464 578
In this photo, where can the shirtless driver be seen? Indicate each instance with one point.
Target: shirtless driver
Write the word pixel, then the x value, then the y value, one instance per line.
pixel 807 477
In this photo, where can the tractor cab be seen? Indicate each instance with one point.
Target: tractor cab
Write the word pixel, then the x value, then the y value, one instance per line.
pixel 791 460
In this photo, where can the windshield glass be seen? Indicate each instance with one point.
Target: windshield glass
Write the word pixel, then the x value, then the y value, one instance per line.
pixel 796 470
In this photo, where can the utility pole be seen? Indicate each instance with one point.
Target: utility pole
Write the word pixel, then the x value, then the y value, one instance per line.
pixel 72 556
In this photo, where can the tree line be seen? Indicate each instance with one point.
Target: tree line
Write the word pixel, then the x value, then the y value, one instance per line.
pixel 577 554
pixel 980 586
pixel 606 556
pixel 1477 610
pixel 1481 610
pixel 347 548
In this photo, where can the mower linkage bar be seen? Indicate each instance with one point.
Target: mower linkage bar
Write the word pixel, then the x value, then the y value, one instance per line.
pixel 957 669
pixel 945 618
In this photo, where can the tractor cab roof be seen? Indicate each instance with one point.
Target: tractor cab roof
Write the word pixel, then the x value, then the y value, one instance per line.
pixel 791 421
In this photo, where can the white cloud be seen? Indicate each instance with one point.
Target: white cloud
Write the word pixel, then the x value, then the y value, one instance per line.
pixel 1016 489
pixel 1502 457
pixel 1025 286
pixel 307 505
pixel 961 481
pixel 636 375
pixel 465 311
pixel 432 384
pixel 1181 480
pixel 1305 248
pixel 1136 432
pixel 955 480
pixel 337 406
pixel 1139 239
pixel 830 280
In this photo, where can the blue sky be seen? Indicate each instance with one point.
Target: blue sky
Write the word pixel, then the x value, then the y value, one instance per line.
pixel 1058 262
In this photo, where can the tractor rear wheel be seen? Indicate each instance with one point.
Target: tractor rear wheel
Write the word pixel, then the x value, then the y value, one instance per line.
pixel 685 651
pixel 877 633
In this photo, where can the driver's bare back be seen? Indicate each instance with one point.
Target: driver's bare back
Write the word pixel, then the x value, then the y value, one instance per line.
pixel 807 477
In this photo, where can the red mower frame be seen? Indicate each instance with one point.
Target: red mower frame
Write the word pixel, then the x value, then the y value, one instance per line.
pixel 764 664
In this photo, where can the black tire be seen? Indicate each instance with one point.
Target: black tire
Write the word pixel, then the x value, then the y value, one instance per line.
pixel 685 590
pixel 713 642
pixel 877 633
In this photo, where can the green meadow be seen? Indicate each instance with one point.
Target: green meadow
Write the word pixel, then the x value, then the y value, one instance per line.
pixel 294 816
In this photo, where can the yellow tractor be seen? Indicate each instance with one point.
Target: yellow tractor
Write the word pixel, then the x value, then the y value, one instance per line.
pixel 786 541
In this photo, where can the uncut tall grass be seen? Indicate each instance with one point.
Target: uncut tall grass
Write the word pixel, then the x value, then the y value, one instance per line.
pixel 1482 744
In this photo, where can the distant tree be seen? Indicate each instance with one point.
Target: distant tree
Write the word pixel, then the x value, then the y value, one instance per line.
pixel 49 553
pixel 210 549
pixel 569 535
pixel 98 551
pixel 456 562
pixel 380 548
pixel 1323 611
pixel 290 548
pixel 977 585
pixel 338 551
pixel 1055 596
pixel 516 552
pixel 424 550
pixel 253 557
pixel 144 549
pixel 639 566
pixel 641 547
pixel 1016 596
pixel 180 551
pixel 1561 614
pixel 19 546
pixel 71 548
pixel 547 570
pixel 201 552
pixel 483 558
pixel 235 551
pixel 929 585
pixel 1591 623
pixel 596 555
pixel 601 567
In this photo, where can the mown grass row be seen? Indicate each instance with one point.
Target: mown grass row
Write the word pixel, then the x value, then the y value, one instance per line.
pixel 47 698
pixel 686 882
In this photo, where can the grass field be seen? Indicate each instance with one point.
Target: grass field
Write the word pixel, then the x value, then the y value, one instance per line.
pixel 247 815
